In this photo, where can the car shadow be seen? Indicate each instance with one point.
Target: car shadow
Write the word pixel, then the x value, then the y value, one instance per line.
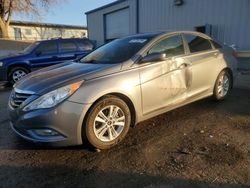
pixel 237 103
pixel 5 86
pixel 63 176
pixel 20 144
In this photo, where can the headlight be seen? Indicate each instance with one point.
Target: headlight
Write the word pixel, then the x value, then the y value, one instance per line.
pixel 53 98
pixel 1 64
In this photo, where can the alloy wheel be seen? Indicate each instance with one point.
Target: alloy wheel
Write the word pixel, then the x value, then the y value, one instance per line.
pixel 109 123
pixel 224 85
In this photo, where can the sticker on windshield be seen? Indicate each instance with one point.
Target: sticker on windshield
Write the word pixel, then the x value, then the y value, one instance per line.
pixel 138 41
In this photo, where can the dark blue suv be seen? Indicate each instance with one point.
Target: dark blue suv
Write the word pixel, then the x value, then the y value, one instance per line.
pixel 42 54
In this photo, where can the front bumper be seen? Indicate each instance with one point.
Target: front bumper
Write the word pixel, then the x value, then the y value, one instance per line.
pixel 65 120
pixel 3 74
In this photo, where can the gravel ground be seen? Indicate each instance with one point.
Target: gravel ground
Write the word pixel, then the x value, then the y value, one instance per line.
pixel 205 144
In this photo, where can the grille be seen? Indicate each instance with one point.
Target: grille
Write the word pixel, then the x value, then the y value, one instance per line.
pixel 17 98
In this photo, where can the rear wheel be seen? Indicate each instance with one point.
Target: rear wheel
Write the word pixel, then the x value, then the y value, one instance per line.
pixel 16 74
pixel 107 123
pixel 223 85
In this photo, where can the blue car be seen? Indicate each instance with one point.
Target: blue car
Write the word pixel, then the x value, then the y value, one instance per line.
pixel 42 54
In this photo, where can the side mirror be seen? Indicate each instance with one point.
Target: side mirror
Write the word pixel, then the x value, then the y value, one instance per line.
pixel 154 57
pixel 38 53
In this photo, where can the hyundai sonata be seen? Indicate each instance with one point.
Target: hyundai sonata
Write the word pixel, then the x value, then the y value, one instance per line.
pixel 119 85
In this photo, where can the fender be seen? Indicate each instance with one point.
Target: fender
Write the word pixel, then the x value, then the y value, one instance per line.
pixel 93 90
pixel 18 64
pixel 7 67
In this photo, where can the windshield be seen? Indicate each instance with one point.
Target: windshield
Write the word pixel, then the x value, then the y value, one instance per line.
pixel 118 50
pixel 30 48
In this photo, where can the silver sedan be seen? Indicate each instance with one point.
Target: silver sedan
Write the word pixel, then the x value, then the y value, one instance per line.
pixel 120 84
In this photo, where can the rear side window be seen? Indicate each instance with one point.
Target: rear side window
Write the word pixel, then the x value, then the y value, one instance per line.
pixel 216 45
pixel 68 46
pixel 172 46
pixel 85 45
pixel 47 48
pixel 197 44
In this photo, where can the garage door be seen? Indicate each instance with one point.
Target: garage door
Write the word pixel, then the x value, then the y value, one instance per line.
pixel 117 24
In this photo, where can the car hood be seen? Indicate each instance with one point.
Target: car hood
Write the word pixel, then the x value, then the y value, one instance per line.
pixel 57 76
pixel 13 56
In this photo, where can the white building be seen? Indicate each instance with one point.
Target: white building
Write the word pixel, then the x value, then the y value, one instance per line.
pixel 226 20
pixel 30 31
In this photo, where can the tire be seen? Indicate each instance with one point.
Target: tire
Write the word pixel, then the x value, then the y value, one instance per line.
pixel 223 85
pixel 13 76
pixel 97 132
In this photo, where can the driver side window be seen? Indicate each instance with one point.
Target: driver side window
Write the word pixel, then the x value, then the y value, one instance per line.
pixel 171 46
pixel 47 48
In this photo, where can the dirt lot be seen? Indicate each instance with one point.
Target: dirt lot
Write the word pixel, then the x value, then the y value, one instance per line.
pixel 205 144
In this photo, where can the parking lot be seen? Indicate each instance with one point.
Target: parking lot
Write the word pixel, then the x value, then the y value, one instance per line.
pixel 205 144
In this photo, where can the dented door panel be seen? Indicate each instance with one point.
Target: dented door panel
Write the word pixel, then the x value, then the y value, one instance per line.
pixel 164 84
pixel 205 68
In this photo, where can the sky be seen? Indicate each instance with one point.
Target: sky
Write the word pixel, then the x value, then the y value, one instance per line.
pixel 69 12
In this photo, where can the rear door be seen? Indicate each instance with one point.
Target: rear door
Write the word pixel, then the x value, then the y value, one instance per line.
pixel 84 46
pixel 44 55
pixel 165 83
pixel 205 61
pixel 68 50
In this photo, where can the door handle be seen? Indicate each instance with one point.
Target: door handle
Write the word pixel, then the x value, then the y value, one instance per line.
pixel 216 54
pixel 184 65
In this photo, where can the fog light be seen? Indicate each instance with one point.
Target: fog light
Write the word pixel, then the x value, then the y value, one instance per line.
pixel 45 132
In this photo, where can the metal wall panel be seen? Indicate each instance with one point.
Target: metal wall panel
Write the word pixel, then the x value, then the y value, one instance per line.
pixel 230 19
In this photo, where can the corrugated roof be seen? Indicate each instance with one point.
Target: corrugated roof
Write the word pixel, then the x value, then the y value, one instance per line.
pixel 27 23
pixel 105 6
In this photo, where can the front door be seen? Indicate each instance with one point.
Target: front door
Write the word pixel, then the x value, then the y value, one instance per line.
pixel 165 83
pixel 46 54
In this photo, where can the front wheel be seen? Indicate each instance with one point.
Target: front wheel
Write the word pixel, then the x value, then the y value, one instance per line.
pixel 223 85
pixel 107 123
pixel 16 74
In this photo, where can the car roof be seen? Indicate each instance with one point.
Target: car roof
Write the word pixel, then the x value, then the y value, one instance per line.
pixel 166 33
pixel 188 32
pixel 144 35
pixel 63 39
